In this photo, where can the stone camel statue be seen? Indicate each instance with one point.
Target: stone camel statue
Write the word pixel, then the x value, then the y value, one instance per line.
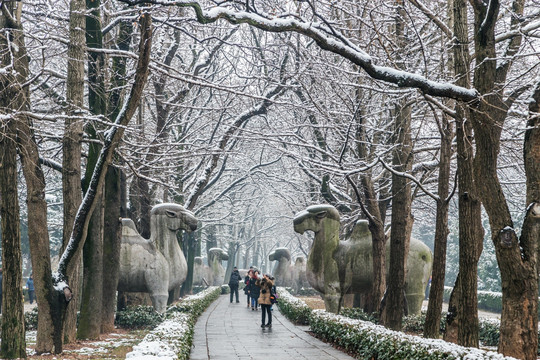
pixel 202 274
pixel 336 268
pixel 300 273
pixel 156 266
pixel 283 271
pixel 215 256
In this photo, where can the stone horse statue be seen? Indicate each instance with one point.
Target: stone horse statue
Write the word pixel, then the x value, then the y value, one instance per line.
pixel 283 271
pixel 336 268
pixel 215 256
pixel 156 266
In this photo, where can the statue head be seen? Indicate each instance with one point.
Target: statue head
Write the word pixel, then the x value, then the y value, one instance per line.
pixel 280 253
pixel 217 254
pixel 313 216
pixel 175 217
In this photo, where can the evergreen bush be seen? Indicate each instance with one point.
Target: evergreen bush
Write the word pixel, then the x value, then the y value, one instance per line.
pixel 293 308
pixel 174 336
pixel 138 317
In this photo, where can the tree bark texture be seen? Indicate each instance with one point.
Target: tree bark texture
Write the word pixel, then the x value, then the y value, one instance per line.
pixel 434 311
pixel 517 259
pixel 90 313
pixel 72 147
pixel 35 180
pixel 12 307
pixel 375 221
pixel 115 209
pixel 401 223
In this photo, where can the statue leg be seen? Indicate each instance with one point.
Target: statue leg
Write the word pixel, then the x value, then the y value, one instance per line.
pixel 332 298
pixel 159 302
pixel 331 302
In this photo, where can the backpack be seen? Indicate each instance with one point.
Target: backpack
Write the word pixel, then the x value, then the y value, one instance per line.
pixel 273 295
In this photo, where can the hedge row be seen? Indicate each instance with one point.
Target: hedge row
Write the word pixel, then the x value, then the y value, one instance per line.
pixel 487 300
pixel 369 341
pixel 174 336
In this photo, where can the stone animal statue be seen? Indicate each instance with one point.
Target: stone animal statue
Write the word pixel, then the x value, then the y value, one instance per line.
pixel 202 274
pixel 156 266
pixel 336 268
pixel 283 271
pixel 215 256
pixel 300 274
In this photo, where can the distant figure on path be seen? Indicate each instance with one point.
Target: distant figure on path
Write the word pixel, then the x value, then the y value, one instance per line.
pixel 246 288
pixel 265 285
pixel 233 283
pixel 30 288
pixel 254 290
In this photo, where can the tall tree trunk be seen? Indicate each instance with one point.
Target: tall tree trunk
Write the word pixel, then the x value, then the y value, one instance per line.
pixel 401 222
pixel 530 232
pixel 12 308
pixel 436 291
pixel 462 324
pixel 115 209
pixel 517 259
pixel 90 315
pixel 72 148
pixel 434 312
pixel 35 181
pixel 375 221
pixel 111 141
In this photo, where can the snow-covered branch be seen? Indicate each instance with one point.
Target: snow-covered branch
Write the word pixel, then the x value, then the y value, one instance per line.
pixel 324 38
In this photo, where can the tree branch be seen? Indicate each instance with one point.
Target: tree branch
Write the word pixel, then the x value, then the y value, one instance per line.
pixel 322 36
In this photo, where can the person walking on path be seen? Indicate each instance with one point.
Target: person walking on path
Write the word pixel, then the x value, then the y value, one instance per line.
pixel 254 290
pixel 246 288
pixel 234 281
pixel 265 284
pixel 30 288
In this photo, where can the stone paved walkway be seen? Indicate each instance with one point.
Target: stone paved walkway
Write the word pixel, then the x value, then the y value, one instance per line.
pixel 232 331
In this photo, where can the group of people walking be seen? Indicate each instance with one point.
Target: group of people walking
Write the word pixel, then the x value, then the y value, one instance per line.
pixel 260 292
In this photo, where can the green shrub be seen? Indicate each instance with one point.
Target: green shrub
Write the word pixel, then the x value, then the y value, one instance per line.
pixel 293 308
pixel 31 319
pixel 138 317
pixel 175 334
pixel 489 332
pixel 359 314
pixel 369 341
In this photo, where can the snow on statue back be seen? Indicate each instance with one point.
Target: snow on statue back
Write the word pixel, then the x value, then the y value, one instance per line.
pixel 158 265
pixel 335 267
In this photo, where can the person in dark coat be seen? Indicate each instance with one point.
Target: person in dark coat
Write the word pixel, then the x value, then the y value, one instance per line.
pixel 246 282
pixel 30 288
pixel 265 284
pixel 254 290
pixel 234 281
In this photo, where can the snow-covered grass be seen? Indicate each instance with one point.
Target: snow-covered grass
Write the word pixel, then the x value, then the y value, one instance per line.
pixel 172 339
pixel 369 341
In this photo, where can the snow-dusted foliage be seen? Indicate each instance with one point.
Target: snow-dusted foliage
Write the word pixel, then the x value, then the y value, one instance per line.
pixel 172 339
pixel 369 341
pixel 375 341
